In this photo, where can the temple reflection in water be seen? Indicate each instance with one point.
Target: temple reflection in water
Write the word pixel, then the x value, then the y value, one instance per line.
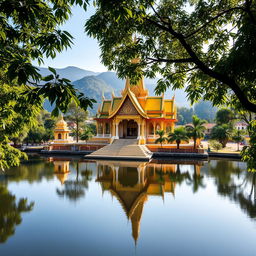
pixel 131 183
pixel 61 169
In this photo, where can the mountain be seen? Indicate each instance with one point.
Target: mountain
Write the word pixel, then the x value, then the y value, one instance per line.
pixel 93 85
pixel 112 80
pixel 70 72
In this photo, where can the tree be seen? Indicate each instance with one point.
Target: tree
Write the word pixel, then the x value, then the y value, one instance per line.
pixel 74 189
pixel 221 133
pixel 179 134
pixel 249 152
pixel 11 211
pixel 184 115
pixel 29 32
pixel 77 115
pixel 224 116
pixel 196 130
pixel 183 46
pixel 86 134
pixel 237 137
pixel 161 139
pixel 215 145
pixel 205 110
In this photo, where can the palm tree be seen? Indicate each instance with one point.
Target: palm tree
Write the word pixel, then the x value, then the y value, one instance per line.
pixel 221 133
pixel 196 129
pixel 179 134
pixel 161 137
pixel 87 134
pixel 237 137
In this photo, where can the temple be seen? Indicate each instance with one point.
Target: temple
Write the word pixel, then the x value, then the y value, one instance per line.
pixel 135 115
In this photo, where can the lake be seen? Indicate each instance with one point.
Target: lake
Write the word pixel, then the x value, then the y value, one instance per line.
pixel 64 206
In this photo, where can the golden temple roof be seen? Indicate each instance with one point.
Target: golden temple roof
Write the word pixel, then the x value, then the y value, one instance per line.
pixel 147 106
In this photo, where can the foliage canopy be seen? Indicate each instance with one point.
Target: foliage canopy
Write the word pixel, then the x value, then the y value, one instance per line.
pixel 208 45
pixel 29 31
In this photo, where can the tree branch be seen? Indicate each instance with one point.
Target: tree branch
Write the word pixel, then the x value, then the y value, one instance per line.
pixel 185 60
pixel 205 69
pixel 248 4
pixel 212 19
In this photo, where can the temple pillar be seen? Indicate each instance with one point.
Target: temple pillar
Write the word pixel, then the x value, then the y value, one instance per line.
pixel 97 129
pixel 117 136
pixel 139 135
pixel 154 125
pixel 172 127
pixel 103 129
pixel 113 129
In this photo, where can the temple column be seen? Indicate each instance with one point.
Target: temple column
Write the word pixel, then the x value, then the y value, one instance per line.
pixel 103 129
pixel 97 129
pixel 154 124
pixel 162 125
pixel 172 127
pixel 139 135
pixel 117 136
pixel 113 129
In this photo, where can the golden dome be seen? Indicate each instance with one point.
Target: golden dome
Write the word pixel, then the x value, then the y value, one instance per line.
pixel 61 125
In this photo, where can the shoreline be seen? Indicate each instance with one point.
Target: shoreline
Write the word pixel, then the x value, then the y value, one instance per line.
pixel 155 155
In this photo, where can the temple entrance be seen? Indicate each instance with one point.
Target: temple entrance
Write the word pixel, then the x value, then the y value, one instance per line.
pixel 128 129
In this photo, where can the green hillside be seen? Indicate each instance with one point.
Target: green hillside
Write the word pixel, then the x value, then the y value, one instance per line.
pixel 94 85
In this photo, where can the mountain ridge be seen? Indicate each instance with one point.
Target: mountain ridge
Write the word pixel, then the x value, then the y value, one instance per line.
pixel 95 85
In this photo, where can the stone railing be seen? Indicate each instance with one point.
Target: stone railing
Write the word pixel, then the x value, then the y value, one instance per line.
pixel 175 150
pixel 103 136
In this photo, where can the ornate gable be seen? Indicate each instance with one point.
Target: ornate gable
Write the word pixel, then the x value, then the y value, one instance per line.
pixel 127 108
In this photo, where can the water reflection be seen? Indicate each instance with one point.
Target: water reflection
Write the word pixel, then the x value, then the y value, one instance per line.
pixel 74 188
pixel 131 184
pixel 238 186
pixel 10 212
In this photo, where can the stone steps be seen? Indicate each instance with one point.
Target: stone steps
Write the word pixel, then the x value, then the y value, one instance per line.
pixel 122 148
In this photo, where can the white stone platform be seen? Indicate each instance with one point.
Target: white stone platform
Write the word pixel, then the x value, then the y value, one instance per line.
pixel 125 149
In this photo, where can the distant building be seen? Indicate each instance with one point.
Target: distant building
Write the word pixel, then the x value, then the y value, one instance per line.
pixel 208 128
pixel 240 125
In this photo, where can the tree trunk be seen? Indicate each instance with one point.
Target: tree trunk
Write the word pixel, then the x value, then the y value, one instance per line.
pixel 194 143
pixel 77 129
pixel 237 146
pixel 178 145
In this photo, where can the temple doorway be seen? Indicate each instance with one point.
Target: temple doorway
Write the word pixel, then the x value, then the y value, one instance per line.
pixel 128 129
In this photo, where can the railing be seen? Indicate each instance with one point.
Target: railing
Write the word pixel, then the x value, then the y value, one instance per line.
pixel 175 150
pixel 152 136
pixel 103 136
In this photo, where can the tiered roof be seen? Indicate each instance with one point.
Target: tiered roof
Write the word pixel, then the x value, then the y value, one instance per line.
pixel 148 107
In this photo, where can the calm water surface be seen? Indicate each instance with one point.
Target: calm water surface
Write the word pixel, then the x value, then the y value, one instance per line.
pixel 60 206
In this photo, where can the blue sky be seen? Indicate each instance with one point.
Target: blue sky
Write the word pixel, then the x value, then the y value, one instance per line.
pixel 85 52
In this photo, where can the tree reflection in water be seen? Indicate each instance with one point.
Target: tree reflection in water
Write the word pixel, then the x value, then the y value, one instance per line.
pixel 238 185
pixel 75 189
pixel 131 184
pixel 10 212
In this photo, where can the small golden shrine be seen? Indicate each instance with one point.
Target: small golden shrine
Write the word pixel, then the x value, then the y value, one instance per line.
pixel 135 115
pixel 61 132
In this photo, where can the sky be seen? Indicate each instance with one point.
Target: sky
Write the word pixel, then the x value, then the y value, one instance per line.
pixel 85 52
